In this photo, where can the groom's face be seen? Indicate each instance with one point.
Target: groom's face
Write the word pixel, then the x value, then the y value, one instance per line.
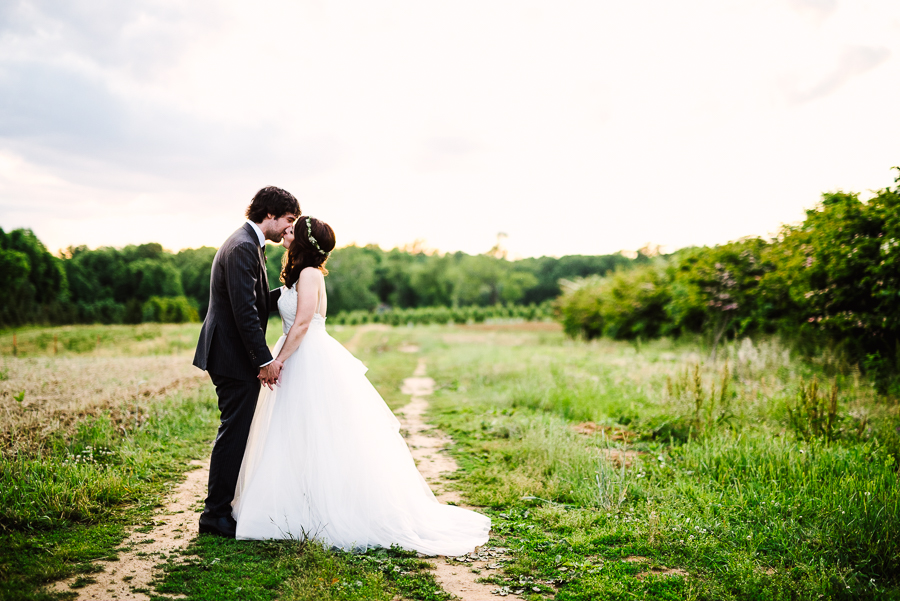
pixel 281 225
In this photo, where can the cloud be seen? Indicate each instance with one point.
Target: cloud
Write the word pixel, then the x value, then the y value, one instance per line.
pixel 821 8
pixel 444 152
pixel 140 37
pixel 70 117
pixel 854 61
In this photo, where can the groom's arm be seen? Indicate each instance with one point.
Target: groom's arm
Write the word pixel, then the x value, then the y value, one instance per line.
pixel 241 276
pixel 274 295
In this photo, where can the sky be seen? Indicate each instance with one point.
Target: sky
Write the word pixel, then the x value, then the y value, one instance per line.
pixel 571 127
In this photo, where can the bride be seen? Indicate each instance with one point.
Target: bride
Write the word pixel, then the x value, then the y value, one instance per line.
pixel 325 458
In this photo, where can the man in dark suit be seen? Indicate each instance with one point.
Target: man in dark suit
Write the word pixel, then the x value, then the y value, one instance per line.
pixel 232 345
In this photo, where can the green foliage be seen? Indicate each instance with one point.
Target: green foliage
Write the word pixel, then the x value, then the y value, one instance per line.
pixel 124 285
pixel 195 265
pixel 363 278
pixel 627 305
pixel 169 310
pixel 832 281
pixel 32 281
pixel 274 257
pixel 445 315
pixel 350 280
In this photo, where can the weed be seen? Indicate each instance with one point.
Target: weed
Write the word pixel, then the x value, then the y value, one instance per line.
pixel 814 415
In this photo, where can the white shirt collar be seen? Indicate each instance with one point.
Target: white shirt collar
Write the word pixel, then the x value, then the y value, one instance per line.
pixel 259 234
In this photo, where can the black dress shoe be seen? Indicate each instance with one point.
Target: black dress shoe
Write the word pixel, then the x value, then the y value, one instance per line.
pixel 221 526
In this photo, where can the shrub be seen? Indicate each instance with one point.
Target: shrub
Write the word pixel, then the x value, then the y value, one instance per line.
pixel 177 309
pixel 626 305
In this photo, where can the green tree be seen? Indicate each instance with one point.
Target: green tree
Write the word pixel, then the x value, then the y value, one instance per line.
pixel 37 294
pixel 716 288
pixel 350 280
pixel 195 265
pixel 627 304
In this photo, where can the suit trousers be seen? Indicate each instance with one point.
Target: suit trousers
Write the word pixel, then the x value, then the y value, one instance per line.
pixel 237 404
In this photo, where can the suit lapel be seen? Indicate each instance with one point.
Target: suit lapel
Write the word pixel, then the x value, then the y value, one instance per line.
pixel 262 260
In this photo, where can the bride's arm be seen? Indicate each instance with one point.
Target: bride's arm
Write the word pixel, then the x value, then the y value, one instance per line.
pixel 307 299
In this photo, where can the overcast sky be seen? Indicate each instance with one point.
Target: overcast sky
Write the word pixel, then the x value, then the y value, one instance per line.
pixel 573 127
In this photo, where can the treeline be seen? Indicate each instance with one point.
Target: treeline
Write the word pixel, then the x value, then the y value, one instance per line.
pixel 140 283
pixel 832 282
pixel 371 279
pixel 106 285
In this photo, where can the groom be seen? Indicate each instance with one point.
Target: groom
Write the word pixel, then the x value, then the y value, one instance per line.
pixel 232 345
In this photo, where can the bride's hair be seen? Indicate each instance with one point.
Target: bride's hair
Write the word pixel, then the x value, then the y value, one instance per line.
pixel 303 252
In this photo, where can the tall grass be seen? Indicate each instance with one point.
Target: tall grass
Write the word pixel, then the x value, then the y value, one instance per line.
pixel 798 503
pixel 68 504
pixel 737 470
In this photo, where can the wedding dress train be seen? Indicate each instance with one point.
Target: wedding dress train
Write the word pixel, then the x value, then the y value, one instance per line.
pixel 325 459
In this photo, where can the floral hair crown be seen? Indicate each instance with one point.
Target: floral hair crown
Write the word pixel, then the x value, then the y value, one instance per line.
pixel 311 238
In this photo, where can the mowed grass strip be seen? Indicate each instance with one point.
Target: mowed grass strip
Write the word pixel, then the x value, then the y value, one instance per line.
pixel 608 478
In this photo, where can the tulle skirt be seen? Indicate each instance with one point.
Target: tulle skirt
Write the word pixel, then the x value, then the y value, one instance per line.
pixel 325 459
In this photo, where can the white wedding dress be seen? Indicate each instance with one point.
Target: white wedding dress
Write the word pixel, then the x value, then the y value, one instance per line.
pixel 325 459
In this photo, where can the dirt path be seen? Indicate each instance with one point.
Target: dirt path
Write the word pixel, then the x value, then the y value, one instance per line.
pixel 175 526
pixel 353 343
pixel 172 530
pixel 428 447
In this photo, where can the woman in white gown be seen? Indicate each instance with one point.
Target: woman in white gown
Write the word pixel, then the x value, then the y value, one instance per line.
pixel 325 458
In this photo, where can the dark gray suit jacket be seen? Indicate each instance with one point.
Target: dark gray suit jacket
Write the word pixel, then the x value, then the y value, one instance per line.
pixel 233 337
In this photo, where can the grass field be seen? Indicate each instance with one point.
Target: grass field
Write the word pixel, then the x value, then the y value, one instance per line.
pixel 610 470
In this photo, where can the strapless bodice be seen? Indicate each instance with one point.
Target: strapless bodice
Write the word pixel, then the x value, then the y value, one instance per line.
pixel 287 308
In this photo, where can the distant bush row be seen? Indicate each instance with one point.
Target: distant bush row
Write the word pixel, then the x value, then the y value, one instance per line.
pixel 832 281
pixel 444 315
pixel 156 309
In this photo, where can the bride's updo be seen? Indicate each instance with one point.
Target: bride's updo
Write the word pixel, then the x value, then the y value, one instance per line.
pixel 313 242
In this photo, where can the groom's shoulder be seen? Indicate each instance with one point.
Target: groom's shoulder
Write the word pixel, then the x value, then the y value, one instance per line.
pixel 242 235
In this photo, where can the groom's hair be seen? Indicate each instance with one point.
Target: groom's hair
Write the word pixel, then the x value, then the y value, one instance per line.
pixel 272 201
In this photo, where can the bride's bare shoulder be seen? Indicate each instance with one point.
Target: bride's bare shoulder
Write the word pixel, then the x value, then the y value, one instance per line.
pixel 311 274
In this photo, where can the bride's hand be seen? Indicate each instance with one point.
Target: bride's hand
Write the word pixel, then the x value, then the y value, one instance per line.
pixel 270 373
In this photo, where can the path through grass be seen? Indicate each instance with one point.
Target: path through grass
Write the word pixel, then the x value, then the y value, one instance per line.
pixel 610 470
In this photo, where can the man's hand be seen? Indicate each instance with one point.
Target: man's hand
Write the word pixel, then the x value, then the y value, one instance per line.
pixel 270 373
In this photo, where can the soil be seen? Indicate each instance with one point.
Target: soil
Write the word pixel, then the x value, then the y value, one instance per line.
pixel 429 449
pixel 172 530
pixel 352 344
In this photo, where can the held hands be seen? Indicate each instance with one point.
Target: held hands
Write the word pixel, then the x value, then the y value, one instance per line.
pixel 270 373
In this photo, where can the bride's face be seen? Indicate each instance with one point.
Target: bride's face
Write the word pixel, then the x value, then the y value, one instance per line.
pixel 288 237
